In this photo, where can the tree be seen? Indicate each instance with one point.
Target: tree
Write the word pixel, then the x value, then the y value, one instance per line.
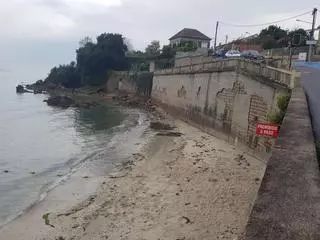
pixel 273 31
pixel 94 60
pixel 65 75
pixel 273 37
pixel 153 49
pixel 138 54
pixel 269 43
pixel 128 43
pixel 300 35
pixel 168 51
pixel 84 41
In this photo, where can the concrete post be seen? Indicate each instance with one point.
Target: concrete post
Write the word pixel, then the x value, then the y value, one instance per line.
pixel 295 79
pixel 152 66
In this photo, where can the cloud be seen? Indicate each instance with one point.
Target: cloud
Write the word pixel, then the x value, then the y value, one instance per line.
pixel 140 20
pixel 37 34
pixel 48 18
pixel 3 70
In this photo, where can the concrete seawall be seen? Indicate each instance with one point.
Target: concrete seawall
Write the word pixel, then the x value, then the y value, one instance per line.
pixel 230 96
pixel 288 202
pixel 227 99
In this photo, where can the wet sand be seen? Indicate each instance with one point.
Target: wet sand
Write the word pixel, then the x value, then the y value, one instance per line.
pixel 190 187
pixel 31 225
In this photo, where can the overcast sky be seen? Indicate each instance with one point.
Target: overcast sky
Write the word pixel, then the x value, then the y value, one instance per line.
pixel 38 34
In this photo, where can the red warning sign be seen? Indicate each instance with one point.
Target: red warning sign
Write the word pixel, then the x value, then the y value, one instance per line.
pixel 267 129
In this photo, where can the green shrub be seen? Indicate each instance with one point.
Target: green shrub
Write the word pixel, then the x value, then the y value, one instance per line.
pixel 277 116
pixel 282 102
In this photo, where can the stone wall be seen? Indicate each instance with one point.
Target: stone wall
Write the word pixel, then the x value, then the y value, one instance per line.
pixel 113 82
pixel 139 83
pixel 119 81
pixel 190 60
pixel 255 70
pixel 223 96
pixel 288 201
pixel 198 52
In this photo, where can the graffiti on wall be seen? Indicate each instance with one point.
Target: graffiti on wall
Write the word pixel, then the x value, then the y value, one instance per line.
pixel 182 92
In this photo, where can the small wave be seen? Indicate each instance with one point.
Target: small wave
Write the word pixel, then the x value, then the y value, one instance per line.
pixel 122 144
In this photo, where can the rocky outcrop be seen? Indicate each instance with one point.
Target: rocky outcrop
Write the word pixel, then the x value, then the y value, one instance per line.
pixel 157 125
pixel 60 101
pixel 170 134
pixel 65 102
pixel 86 104
pixel 164 129
pixel 136 102
pixel 20 89
pixel 37 91
pixel 41 87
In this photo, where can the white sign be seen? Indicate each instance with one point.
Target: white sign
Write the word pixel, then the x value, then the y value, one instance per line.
pixel 311 42
pixel 303 56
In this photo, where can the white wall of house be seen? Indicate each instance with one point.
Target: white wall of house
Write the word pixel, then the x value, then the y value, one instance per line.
pixel 205 44
pixel 198 43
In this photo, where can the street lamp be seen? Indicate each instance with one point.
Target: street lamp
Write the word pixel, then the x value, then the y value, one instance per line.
pixel 298 20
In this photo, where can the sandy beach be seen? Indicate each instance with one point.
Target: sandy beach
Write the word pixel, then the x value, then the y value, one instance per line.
pixel 190 187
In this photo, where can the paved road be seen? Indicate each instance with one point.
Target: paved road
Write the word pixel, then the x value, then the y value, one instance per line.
pixel 311 82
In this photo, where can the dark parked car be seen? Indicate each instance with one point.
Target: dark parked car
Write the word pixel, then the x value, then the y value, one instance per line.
pixel 252 54
pixel 220 53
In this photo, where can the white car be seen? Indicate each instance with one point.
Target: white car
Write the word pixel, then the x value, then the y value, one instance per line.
pixel 233 53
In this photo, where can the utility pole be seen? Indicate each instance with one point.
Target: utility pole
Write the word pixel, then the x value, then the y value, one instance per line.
pixel 314 13
pixel 226 39
pixel 215 36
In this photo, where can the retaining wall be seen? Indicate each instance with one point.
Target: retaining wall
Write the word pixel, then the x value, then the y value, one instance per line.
pixel 288 201
pixel 230 96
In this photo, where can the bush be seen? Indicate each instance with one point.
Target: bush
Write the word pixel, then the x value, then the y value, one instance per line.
pixel 283 102
pixel 277 116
